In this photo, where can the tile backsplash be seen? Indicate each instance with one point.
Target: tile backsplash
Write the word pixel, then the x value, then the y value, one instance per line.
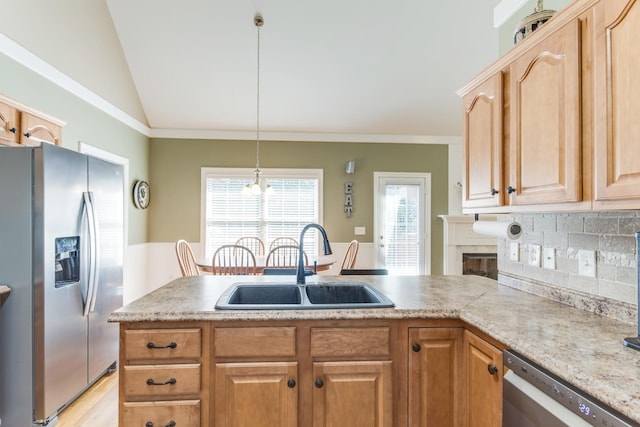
pixel 611 235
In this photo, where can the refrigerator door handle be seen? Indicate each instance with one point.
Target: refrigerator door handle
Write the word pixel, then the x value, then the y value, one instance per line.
pixel 89 212
pixel 96 253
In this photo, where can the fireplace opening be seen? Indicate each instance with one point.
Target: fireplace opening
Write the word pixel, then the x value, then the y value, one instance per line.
pixel 480 264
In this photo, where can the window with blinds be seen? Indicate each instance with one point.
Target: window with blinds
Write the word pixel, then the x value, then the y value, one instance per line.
pixel 229 215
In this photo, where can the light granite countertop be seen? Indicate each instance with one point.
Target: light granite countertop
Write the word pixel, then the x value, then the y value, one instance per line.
pixel 580 347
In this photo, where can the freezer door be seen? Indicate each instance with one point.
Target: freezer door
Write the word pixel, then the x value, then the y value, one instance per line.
pixel 106 185
pixel 60 329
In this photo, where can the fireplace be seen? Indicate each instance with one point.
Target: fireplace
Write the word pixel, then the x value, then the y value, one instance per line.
pixel 480 264
pixel 460 240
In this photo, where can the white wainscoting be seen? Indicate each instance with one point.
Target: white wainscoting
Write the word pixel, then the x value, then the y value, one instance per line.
pixel 151 265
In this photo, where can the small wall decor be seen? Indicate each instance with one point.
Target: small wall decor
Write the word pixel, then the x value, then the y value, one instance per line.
pixel 348 198
pixel 141 194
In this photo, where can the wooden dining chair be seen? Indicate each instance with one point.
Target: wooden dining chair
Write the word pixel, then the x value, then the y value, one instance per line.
pixel 284 256
pixel 283 241
pixel 254 243
pixel 350 255
pixel 186 259
pixel 233 259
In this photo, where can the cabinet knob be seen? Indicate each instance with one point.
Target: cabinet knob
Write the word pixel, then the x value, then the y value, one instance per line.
pixel 415 347
pixel 511 190
pixel 494 191
pixel 319 383
pixel 291 383
pixel 13 130
pixel 154 346
pixel 28 135
pixel 169 424
pixel 492 369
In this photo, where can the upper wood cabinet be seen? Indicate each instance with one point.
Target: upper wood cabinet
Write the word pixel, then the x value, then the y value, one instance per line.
pixel 569 132
pixel 483 144
pixel 9 117
pixel 617 102
pixel 544 137
pixel 22 125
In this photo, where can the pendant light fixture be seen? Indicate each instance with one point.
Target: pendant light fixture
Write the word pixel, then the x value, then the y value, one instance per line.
pixel 258 185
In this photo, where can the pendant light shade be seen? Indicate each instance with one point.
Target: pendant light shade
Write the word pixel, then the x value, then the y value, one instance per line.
pixel 258 185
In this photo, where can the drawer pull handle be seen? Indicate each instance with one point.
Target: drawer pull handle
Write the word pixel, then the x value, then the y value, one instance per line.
pixel 172 344
pixel 150 381
pixel 492 369
pixel 319 383
pixel 169 424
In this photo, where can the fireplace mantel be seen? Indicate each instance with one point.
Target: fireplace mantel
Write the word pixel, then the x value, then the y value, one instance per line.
pixel 460 238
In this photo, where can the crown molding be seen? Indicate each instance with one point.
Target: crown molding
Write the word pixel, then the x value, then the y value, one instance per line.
pixel 39 66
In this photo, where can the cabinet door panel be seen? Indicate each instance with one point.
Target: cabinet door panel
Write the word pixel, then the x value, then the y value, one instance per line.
pixel 8 123
pixel 483 151
pixel 617 163
pixel 545 161
pixel 435 387
pixel 484 385
pixel 256 394
pixel 36 130
pixel 354 394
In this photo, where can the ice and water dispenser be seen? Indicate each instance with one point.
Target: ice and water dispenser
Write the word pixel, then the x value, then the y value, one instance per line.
pixel 67 260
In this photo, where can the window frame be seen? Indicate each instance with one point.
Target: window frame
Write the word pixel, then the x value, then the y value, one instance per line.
pixel 248 174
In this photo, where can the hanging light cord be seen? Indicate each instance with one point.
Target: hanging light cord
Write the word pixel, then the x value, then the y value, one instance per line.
pixel 258 21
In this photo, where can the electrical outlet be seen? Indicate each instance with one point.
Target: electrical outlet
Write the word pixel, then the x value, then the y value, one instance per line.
pixel 587 263
pixel 549 258
pixel 514 251
pixel 534 255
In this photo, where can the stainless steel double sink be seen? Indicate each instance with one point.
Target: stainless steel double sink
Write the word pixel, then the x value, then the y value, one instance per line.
pixel 290 296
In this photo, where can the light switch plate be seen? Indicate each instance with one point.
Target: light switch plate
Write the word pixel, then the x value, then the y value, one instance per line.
pixel 534 255
pixel 359 231
pixel 549 258
pixel 587 263
pixel 514 251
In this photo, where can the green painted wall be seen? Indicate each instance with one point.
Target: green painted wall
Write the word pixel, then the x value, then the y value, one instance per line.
pixel 175 181
pixel 84 123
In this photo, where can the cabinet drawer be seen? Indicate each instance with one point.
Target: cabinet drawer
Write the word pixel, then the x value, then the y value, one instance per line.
pixel 162 344
pixel 160 414
pixel 161 380
pixel 350 341
pixel 248 342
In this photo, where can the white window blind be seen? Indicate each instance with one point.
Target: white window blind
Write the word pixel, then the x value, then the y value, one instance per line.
pixel 230 215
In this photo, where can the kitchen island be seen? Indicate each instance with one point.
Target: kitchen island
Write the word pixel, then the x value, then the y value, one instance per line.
pixel 582 348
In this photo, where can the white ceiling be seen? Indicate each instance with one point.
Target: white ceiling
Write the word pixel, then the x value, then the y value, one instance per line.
pixel 381 67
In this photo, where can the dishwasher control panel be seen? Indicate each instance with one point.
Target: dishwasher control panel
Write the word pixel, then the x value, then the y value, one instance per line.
pixel 577 401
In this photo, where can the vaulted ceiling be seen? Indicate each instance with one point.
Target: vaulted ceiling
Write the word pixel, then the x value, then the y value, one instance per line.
pixel 373 67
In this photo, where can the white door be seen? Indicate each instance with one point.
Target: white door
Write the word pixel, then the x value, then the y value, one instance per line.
pixel 402 217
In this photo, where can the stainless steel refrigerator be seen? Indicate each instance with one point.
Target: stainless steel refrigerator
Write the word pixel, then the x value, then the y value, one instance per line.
pixel 61 253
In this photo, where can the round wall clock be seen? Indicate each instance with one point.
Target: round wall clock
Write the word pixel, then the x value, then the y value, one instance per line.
pixel 141 194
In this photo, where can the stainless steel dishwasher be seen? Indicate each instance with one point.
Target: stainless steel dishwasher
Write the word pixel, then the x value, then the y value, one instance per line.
pixel 533 397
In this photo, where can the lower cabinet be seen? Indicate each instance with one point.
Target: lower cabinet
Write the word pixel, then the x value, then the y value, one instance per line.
pixel 364 373
pixel 483 371
pixel 355 394
pixel 256 394
pixel 435 378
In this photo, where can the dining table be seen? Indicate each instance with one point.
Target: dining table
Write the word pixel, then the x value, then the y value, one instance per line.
pixel 320 263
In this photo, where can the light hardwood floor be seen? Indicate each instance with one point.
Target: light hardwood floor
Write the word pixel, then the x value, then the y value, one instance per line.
pixel 97 407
